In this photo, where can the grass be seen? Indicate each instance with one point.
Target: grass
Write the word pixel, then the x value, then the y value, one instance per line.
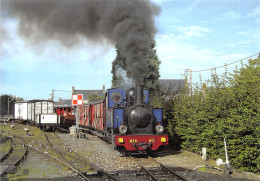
pixel 32 172
pixel 35 140
pixel 202 169
pixel 5 147
pixel 19 174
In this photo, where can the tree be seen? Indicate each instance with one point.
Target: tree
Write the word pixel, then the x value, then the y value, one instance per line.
pixel 152 75
pixel 93 97
pixel 228 108
pixel 151 79
pixel 245 116
pixel 7 104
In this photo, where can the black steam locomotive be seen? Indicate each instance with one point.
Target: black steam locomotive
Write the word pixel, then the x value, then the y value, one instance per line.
pixel 125 118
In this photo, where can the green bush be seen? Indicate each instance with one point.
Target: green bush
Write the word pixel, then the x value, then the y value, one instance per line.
pixel 228 108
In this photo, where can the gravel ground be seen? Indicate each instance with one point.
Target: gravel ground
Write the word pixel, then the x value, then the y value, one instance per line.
pixel 194 162
pixel 103 156
pixel 99 153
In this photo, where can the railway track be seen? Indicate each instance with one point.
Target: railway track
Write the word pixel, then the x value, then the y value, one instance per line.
pixel 17 156
pixel 51 146
pixel 162 173
pixel 76 161
pixel 76 165
pixel 62 130
pixel 9 143
pixel 141 168
pixel 148 169
pixel 14 156
pixel 139 172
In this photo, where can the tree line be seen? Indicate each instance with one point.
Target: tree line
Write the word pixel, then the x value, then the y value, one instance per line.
pixel 228 107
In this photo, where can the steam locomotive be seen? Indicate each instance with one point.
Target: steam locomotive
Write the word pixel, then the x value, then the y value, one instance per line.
pixel 125 119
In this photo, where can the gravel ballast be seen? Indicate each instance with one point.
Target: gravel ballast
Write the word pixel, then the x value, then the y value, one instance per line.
pixel 102 155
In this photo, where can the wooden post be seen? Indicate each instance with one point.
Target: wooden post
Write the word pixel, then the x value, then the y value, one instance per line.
pixel 52 94
pixel 190 82
pixel 204 154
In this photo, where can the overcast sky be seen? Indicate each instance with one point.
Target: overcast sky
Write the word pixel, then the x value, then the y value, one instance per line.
pixel 191 34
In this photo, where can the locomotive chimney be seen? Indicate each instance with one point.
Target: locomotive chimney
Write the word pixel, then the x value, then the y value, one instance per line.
pixel 139 94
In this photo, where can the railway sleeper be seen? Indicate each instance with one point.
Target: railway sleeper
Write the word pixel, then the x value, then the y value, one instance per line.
pixel 161 173
pixel 4 157
pixel 172 172
pixel 9 169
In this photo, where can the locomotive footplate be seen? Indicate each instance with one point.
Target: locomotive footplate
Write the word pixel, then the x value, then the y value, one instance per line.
pixel 141 142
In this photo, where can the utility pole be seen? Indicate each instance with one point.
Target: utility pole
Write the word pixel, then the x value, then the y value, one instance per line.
pixel 8 107
pixel 77 120
pixel 190 82
pixel 52 94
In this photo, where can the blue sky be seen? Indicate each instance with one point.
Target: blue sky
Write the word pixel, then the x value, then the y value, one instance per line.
pixel 195 35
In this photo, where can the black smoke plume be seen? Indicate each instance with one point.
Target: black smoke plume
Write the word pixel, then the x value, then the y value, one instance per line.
pixel 129 24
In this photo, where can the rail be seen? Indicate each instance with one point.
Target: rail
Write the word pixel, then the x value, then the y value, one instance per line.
pixel 45 153
pixel 66 161
pixel 150 169
pixel 8 152
pixel 16 157
pixel 149 173
pixel 80 159
pixel 172 172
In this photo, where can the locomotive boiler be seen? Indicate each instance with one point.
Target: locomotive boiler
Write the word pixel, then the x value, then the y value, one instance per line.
pixel 125 119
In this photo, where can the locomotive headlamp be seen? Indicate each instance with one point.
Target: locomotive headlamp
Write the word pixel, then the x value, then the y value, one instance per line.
pixel 122 129
pixel 163 140
pixel 159 128
pixel 120 140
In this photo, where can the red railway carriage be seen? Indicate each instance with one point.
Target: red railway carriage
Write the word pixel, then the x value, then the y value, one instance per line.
pixel 125 119
pixel 85 115
pixel 92 115
pixel 67 115
pixel 65 110
pixel 82 114
pixel 98 116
